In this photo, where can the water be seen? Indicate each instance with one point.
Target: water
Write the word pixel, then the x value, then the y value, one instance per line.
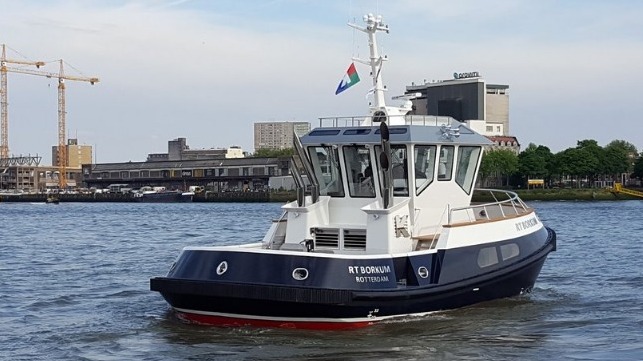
pixel 74 285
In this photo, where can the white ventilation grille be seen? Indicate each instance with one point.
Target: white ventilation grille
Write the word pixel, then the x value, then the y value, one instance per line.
pixel 327 238
pixel 355 239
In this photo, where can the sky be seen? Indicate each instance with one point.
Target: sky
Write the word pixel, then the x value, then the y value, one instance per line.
pixel 208 70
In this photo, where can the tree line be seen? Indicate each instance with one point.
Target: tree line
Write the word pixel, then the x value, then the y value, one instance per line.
pixel 582 166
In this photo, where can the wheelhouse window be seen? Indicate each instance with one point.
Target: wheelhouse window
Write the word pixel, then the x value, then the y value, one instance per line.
pixel 399 169
pixel 359 171
pixel 325 162
pixel 445 165
pixel 424 166
pixel 466 169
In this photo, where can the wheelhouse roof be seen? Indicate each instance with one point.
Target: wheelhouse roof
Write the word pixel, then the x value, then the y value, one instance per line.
pixel 417 134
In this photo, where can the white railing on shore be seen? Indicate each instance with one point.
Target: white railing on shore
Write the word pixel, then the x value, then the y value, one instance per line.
pixel 506 204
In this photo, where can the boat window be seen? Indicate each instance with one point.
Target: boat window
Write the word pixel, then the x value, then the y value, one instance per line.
pixel 487 257
pixel 323 132
pixel 508 251
pixel 466 169
pixel 445 166
pixel 394 131
pixel 357 132
pixel 359 171
pixel 400 169
pixel 424 166
pixel 325 161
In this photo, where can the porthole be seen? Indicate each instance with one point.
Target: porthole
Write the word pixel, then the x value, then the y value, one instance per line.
pixel 300 274
pixel 508 251
pixel 222 268
pixel 423 272
pixel 487 257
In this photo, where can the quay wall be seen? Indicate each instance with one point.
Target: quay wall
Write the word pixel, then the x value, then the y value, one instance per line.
pixel 288 196
pixel 118 197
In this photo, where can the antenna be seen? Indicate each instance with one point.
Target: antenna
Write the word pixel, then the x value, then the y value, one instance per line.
pixel 374 24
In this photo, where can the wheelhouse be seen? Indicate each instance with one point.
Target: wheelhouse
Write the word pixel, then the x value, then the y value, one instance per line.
pixel 433 160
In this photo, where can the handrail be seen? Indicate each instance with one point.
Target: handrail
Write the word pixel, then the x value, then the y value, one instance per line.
pixel 271 242
pixel 410 119
pixel 295 172
pixel 491 210
pixel 308 168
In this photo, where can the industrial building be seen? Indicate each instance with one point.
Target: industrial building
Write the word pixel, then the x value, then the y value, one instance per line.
pixel 181 167
pixel 218 175
pixel 24 173
pixel 470 99
pixel 229 169
pixel 278 135
pixel 178 149
pixel 77 154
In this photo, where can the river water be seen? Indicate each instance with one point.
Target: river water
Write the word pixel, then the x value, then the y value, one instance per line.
pixel 75 286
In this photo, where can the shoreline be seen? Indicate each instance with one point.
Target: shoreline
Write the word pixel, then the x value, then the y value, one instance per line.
pixel 550 194
pixel 572 194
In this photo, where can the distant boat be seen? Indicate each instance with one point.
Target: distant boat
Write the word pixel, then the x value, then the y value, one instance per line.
pixel 161 195
pixel 52 200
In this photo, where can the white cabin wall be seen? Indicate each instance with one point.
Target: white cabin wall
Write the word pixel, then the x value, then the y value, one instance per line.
pixel 380 231
pixel 302 219
pixel 433 203
pixel 347 210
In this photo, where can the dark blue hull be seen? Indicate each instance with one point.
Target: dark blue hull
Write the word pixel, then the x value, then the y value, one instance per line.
pixel 372 290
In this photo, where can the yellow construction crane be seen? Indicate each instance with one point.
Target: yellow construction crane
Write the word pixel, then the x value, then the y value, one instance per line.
pixel 61 154
pixel 4 117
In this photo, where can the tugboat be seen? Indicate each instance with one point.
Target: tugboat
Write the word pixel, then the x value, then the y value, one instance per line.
pixel 383 227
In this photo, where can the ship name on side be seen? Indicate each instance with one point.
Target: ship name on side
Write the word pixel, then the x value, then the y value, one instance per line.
pixel 531 222
pixel 370 273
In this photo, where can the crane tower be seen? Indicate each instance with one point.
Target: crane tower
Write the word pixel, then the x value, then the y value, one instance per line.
pixel 61 154
pixel 4 113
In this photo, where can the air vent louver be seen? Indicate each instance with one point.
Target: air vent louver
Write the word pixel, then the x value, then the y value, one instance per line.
pixel 355 239
pixel 326 238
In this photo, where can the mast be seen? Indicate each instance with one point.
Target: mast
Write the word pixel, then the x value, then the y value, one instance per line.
pixel 374 24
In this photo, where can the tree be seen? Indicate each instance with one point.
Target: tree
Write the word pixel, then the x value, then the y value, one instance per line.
pixel 616 161
pixel 620 157
pixel 638 167
pixel 534 162
pixel 577 162
pixel 596 163
pixel 273 153
pixel 498 164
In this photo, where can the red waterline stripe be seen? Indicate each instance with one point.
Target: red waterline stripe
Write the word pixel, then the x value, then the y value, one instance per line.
pixel 241 322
